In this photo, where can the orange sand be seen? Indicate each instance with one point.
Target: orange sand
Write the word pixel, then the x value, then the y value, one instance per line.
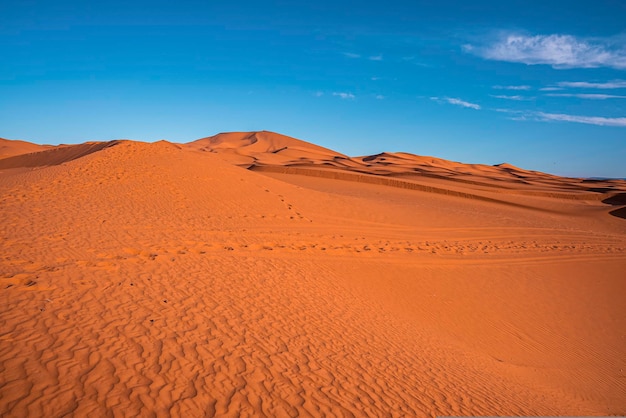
pixel 255 274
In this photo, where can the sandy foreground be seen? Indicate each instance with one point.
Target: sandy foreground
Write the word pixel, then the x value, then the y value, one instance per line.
pixel 252 274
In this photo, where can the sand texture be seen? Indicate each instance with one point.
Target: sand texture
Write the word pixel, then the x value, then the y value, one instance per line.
pixel 253 274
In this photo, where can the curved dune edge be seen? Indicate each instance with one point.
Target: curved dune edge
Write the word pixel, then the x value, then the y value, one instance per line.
pixel 619 213
pixel 379 180
pixel 55 156
pixel 260 150
pixel 10 148
pixel 155 279
pixel 393 181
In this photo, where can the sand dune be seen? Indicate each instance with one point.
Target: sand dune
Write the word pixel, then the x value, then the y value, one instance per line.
pixel 9 148
pixel 258 148
pixel 253 274
pixel 53 156
pixel 270 152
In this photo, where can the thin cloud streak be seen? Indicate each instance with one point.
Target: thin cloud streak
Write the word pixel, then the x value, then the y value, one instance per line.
pixel 516 97
pixel 590 120
pixel 511 87
pixel 615 84
pixel 559 51
pixel 587 96
pixel 562 117
pixel 344 95
pixel 457 102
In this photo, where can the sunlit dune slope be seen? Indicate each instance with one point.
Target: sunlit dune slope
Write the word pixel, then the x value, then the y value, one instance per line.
pixel 53 156
pixel 258 148
pixel 165 279
pixel 9 148
pixel 274 153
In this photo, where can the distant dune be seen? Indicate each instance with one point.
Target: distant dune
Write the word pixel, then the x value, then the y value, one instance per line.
pixel 254 274
pixel 9 148
pixel 25 157
pixel 259 148
pixel 271 152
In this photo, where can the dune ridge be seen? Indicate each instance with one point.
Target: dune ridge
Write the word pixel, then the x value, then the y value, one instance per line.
pixel 253 148
pixel 9 148
pixel 53 156
pixel 260 151
pixel 215 279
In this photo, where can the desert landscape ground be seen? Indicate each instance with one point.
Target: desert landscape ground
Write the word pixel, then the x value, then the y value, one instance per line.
pixel 253 274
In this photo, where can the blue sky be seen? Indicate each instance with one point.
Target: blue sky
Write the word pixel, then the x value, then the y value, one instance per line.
pixel 533 83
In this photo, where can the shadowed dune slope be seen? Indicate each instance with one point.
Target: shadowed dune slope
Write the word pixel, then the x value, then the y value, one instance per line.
pixel 158 279
pixel 620 213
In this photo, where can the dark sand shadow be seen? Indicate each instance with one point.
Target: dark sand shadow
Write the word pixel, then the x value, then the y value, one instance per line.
pixel 616 200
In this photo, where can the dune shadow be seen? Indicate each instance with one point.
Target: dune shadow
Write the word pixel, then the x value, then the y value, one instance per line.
pixel 594 180
pixel 601 189
pixel 616 200
pixel 620 213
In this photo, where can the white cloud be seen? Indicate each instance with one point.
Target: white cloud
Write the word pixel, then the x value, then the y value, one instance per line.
pixel 344 95
pixel 457 102
pixel 511 87
pixel 590 120
pixel 376 58
pixel 520 115
pixel 318 93
pixel 550 89
pixel 462 103
pixel 559 51
pixel 562 117
pixel 615 84
pixel 587 96
pixel 380 96
pixel 516 97
pixel 351 55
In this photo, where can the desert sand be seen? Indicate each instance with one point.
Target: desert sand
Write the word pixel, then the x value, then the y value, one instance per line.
pixel 253 274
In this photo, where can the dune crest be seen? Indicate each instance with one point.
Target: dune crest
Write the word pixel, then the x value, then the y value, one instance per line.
pixel 271 152
pixel 9 148
pixel 54 156
pixel 258 148
pixel 252 274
